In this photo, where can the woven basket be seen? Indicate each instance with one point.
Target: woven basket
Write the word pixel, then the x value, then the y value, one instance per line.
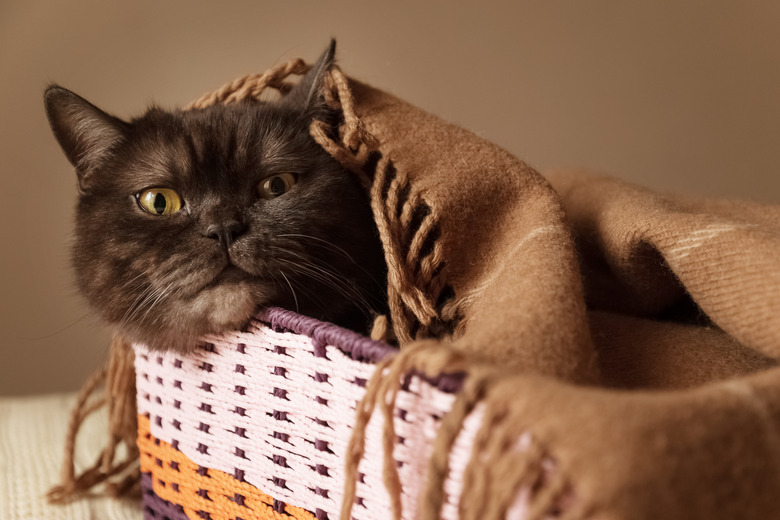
pixel 255 424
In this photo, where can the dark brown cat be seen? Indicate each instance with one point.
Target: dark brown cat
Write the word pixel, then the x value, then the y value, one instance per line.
pixel 189 221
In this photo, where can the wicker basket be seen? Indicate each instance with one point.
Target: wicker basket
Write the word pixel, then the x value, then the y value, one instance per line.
pixel 255 424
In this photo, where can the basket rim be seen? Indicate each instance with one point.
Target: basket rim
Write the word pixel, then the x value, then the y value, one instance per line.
pixel 355 345
pixel 359 347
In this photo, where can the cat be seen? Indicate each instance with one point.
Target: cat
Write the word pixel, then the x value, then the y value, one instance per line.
pixel 190 221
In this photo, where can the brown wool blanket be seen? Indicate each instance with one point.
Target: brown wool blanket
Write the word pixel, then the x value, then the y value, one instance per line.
pixel 630 337
pixel 633 335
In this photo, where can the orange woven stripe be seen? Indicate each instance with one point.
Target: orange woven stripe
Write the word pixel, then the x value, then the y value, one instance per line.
pixel 221 488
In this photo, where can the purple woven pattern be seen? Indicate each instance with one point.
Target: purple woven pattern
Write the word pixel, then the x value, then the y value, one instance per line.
pixel 274 406
pixel 358 347
pixel 155 508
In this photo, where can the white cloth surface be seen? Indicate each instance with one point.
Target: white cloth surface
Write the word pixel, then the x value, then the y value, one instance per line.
pixel 32 438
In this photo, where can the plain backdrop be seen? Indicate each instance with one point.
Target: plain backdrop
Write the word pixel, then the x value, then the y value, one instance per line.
pixel 676 95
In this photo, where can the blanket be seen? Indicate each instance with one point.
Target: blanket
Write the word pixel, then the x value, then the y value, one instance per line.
pixel 633 336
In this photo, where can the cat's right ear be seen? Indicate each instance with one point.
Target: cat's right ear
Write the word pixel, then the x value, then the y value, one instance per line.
pixel 86 134
pixel 307 94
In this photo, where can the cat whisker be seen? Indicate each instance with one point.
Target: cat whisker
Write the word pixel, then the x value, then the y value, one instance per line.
pixel 330 245
pixel 161 296
pixel 332 280
pixel 295 297
pixel 151 297
pixel 137 304
pixel 313 297
pixel 305 267
pixel 333 247
pixel 131 286
pixel 336 277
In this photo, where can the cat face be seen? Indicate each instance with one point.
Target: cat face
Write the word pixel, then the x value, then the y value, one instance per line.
pixel 189 221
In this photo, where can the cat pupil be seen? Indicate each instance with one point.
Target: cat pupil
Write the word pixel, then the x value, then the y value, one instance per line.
pixel 159 203
pixel 277 186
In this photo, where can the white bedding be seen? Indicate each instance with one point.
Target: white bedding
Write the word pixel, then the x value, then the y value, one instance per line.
pixel 32 435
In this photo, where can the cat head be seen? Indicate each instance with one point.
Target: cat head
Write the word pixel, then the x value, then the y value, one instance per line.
pixel 189 221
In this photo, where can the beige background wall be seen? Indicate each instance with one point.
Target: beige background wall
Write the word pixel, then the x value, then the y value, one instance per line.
pixel 676 95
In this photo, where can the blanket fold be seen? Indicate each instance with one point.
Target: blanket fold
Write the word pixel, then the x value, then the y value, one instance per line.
pixel 498 227
pixel 642 252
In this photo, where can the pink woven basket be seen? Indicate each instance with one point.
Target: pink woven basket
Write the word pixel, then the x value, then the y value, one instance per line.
pixel 255 424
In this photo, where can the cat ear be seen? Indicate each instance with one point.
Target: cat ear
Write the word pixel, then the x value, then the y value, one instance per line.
pixel 307 94
pixel 86 134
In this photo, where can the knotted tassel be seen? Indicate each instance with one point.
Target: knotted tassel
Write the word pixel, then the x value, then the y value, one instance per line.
pixel 116 383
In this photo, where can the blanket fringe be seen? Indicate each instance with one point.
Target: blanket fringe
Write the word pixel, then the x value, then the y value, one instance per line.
pixel 505 457
pixel 121 477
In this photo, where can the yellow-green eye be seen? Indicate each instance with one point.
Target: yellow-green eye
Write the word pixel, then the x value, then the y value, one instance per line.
pixel 159 201
pixel 277 185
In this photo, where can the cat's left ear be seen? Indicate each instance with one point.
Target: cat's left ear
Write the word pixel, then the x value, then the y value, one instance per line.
pixel 307 94
pixel 86 134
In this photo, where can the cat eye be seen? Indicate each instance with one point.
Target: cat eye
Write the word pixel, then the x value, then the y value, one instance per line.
pixel 159 201
pixel 277 185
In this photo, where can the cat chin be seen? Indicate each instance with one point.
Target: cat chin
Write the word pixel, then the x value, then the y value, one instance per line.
pixel 214 310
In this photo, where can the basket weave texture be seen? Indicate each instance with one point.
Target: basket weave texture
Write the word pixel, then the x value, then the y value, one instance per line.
pixel 255 424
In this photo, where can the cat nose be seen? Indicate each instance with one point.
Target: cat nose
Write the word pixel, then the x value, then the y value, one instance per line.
pixel 226 232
